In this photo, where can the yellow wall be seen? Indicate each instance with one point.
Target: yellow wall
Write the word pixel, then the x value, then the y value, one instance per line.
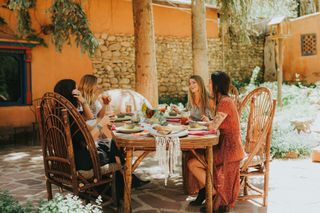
pixel 112 17
pixel 307 66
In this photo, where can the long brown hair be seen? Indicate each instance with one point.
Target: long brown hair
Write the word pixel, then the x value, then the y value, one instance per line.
pixel 86 87
pixel 204 95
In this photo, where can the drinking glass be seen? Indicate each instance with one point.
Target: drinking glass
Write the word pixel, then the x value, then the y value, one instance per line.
pixel 184 118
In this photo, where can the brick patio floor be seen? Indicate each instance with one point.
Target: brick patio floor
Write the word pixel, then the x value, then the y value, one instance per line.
pixel 294 185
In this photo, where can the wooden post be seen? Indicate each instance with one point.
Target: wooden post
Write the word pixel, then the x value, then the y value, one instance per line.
pixel 199 40
pixel 279 54
pixel 145 55
pixel 209 175
pixel 317 5
pixel 127 176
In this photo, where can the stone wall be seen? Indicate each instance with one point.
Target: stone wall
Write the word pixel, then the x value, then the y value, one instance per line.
pixel 114 61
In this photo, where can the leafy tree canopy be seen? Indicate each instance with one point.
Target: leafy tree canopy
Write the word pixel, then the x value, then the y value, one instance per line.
pixel 68 20
pixel 238 17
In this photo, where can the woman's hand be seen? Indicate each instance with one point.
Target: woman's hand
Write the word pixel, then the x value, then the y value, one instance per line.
pixel 77 94
pixel 175 108
pixel 205 118
pixel 105 99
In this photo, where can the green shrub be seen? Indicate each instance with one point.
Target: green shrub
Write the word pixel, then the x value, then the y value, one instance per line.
pixel 173 100
pixel 9 205
pixel 60 203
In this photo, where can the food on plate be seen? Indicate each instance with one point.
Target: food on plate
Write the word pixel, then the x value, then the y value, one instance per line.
pixel 128 126
pixel 164 130
pixel 120 115
pixel 194 124
pixel 173 113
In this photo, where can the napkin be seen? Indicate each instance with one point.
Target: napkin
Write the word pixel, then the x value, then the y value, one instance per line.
pixel 202 133
pixel 113 127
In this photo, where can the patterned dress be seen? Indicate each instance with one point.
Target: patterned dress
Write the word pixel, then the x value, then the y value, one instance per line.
pixel 228 154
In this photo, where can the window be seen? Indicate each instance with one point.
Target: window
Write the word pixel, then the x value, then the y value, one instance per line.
pixel 308 44
pixel 15 76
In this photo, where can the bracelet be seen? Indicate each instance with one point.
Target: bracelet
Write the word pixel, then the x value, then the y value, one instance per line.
pixel 84 103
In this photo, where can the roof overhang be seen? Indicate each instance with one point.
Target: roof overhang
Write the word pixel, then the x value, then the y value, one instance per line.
pixel 180 4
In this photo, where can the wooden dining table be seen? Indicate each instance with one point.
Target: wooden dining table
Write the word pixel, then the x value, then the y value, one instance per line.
pixel 147 144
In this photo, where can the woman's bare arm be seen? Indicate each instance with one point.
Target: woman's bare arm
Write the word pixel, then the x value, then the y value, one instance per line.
pixel 217 120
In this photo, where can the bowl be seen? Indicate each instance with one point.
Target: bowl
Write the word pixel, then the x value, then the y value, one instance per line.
pixel 121 115
pixel 172 113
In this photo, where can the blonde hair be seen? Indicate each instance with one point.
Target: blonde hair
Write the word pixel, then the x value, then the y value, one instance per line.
pixel 204 95
pixel 87 88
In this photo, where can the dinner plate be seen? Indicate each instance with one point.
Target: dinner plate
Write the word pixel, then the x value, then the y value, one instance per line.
pixel 125 130
pixel 197 128
pixel 202 123
pixel 177 131
pixel 125 118
pixel 180 134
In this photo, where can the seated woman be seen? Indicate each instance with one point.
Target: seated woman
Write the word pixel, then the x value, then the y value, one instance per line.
pixel 67 88
pixel 199 101
pixel 229 152
pixel 201 106
pixel 106 146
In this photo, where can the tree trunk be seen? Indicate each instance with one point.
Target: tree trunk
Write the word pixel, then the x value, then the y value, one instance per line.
pixel 199 40
pixel 145 55
pixel 317 5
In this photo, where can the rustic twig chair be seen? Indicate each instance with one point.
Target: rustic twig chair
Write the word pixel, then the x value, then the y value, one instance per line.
pixel 56 116
pixel 234 94
pixel 256 112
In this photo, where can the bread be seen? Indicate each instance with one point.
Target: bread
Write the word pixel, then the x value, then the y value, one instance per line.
pixel 163 129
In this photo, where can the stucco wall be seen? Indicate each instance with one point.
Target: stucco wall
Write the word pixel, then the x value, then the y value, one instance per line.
pixel 307 66
pixel 112 17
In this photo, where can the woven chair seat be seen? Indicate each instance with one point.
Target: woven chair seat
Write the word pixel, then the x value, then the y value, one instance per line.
pixel 110 167
pixel 256 160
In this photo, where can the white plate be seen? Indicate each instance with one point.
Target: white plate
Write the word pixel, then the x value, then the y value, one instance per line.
pixel 125 130
pixel 197 129
pixel 181 134
pixel 177 131
pixel 125 118
pixel 202 123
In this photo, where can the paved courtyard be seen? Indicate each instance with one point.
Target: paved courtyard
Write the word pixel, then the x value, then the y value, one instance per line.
pixel 294 185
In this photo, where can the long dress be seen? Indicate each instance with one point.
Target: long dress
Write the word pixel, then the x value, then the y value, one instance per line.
pixel 191 184
pixel 228 154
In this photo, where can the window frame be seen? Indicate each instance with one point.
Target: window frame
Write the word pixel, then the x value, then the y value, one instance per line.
pixel 26 88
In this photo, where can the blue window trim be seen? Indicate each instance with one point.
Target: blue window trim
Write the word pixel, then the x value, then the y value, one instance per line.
pixel 23 51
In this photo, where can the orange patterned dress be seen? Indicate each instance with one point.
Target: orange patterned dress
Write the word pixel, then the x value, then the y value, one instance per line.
pixel 228 154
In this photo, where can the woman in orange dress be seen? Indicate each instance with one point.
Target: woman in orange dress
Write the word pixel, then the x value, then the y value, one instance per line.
pixel 229 152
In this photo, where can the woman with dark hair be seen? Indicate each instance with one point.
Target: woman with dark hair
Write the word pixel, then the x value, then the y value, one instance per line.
pixel 107 152
pixel 67 88
pixel 229 152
